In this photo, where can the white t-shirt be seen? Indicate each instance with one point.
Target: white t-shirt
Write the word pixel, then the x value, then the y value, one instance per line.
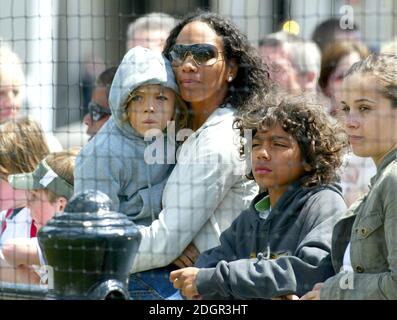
pixel 347 264
pixel 16 225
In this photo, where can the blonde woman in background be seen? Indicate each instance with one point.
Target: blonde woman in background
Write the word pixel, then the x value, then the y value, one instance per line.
pixel 12 82
pixel 337 58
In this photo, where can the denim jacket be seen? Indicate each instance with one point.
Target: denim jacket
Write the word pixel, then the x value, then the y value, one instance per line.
pixel 371 226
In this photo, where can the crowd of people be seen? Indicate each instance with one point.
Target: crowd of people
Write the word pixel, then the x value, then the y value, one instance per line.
pixel 251 172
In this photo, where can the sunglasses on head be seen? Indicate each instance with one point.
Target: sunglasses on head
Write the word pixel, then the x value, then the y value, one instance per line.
pixel 203 54
pixel 97 112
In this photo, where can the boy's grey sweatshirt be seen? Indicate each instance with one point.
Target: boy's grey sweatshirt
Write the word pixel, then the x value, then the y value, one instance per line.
pixel 286 253
pixel 114 160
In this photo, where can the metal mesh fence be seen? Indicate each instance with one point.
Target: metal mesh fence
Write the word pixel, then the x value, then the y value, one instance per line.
pixel 64 65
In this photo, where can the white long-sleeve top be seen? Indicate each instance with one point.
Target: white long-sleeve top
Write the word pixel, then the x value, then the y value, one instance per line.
pixel 206 191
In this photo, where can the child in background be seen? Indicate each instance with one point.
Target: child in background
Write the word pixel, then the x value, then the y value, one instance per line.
pixel 22 147
pixel 143 98
pixel 48 189
pixel 282 243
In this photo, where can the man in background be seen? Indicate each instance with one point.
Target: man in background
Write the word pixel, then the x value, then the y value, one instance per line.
pixel 150 31
pixel 98 108
pixel 294 63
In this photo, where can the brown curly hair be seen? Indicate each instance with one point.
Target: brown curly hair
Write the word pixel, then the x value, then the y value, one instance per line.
pixel 321 139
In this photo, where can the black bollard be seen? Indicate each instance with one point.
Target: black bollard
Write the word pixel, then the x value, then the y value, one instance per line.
pixel 89 249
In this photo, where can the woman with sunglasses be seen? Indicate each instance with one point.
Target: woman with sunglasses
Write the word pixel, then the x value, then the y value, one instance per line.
pixel 217 70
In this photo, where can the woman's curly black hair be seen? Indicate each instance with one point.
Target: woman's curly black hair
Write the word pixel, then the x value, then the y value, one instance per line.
pixel 252 76
pixel 321 139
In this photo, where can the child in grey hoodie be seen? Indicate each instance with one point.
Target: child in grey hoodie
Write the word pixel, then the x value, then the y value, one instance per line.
pixel 281 244
pixel 143 98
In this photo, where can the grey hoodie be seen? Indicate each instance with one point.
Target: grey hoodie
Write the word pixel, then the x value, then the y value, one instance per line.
pixel 113 161
pixel 286 253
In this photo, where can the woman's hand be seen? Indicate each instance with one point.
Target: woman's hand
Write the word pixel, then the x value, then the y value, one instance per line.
pixel 185 280
pixel 20 251
pixel 315 293
pixel 188 257
pixel 26 274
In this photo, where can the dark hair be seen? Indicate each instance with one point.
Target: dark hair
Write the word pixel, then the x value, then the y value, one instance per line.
pixel 327 31
pixel 383 66
pixel 105 79
pixel 334 52
pixel 252 75
pixel 321 139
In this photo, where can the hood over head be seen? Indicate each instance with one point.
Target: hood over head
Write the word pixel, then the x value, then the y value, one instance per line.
pixel 140 66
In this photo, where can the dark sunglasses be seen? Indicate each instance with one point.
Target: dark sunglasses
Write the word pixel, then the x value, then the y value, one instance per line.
pixel 203 54
pixel 97 112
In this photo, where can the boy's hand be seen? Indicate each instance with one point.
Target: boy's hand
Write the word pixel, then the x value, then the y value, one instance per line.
pixel 185 280
pixel 188 257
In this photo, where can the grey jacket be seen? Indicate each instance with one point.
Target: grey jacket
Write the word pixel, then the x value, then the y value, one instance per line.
pixel 113 161
pixel 370 226
pixel 286 253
